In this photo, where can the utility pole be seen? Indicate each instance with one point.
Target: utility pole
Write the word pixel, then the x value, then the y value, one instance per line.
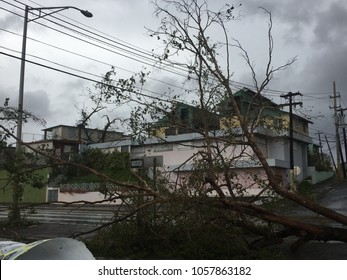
pixel 331 154
pixel 290 96
pixel 345 139
pixel 343 125
pixel 342 162
pixel 337 135
pixel 320 147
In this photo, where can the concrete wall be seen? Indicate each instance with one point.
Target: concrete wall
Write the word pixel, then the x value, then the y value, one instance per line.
pixel 91 196
pixel 319 176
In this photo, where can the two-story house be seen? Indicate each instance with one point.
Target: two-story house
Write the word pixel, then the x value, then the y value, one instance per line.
pixel 63 140
pixel 185 118
pixel 175 154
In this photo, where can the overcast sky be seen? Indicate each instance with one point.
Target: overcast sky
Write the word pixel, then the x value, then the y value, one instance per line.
pixel 313 30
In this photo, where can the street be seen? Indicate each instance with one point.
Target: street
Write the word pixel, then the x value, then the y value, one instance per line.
pixel 67 221
pixel 334 197
pixel 83 215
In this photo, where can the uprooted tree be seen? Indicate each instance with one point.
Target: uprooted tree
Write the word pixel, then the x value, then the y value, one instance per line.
pixel 187 32
pixel 187 29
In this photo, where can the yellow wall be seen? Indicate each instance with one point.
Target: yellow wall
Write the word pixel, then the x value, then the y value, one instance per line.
pixel 159 132
pixel 229 123
pixel 278 123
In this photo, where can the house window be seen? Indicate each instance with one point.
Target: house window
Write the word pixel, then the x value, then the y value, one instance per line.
pixel 72 133
pixel 124 149
pixel 184 114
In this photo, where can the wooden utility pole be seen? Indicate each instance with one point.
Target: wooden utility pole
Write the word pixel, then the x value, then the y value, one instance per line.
pixel 343 125
pixel 320 147
pixel 345 139
pixel 290 96
pixel 337 135
pixel 331 154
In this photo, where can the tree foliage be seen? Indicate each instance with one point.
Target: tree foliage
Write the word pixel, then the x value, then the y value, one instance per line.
pixel 115 164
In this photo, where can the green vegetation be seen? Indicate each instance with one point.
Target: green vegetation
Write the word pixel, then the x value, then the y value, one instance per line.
pixel 198 234
pixel 305 188
pixel 322 162
pixel 126 241
pixel 33 190
pixel 114 164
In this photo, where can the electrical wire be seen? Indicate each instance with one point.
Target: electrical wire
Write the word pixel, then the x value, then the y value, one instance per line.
pixel 238 84
pixel 89 58
pixel 114 87
pixel 151 61
pixel 95 81
pixel 127 51
pixel 269 92
pixel 53 62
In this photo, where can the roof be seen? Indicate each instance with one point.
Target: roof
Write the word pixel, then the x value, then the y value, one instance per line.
pixel 76 127
pixel 246 91
pixel 60 125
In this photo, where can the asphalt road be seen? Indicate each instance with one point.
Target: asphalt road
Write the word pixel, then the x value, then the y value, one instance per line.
pixel 336 199
pixel 333 196
pixel 53 214
pixel 52 221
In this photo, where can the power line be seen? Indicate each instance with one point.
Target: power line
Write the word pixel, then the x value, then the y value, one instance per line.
pixel 86 57
pixel 123 43
pixel 238 84
pixel 168 70
pixel 94 81
pixel 235 82
pixel 90 79
pixel 53 62
pixel 151 61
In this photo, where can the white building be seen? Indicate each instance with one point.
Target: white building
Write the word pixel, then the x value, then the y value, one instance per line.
pixel 174 157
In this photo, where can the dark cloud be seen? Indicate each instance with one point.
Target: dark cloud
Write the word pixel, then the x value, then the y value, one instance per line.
pixel 331 28
pixel 293 12
pixel 325 67
pixel 295 15
pixel 326 60
pixel 38 103
pixel 316 80
pixel 317 31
